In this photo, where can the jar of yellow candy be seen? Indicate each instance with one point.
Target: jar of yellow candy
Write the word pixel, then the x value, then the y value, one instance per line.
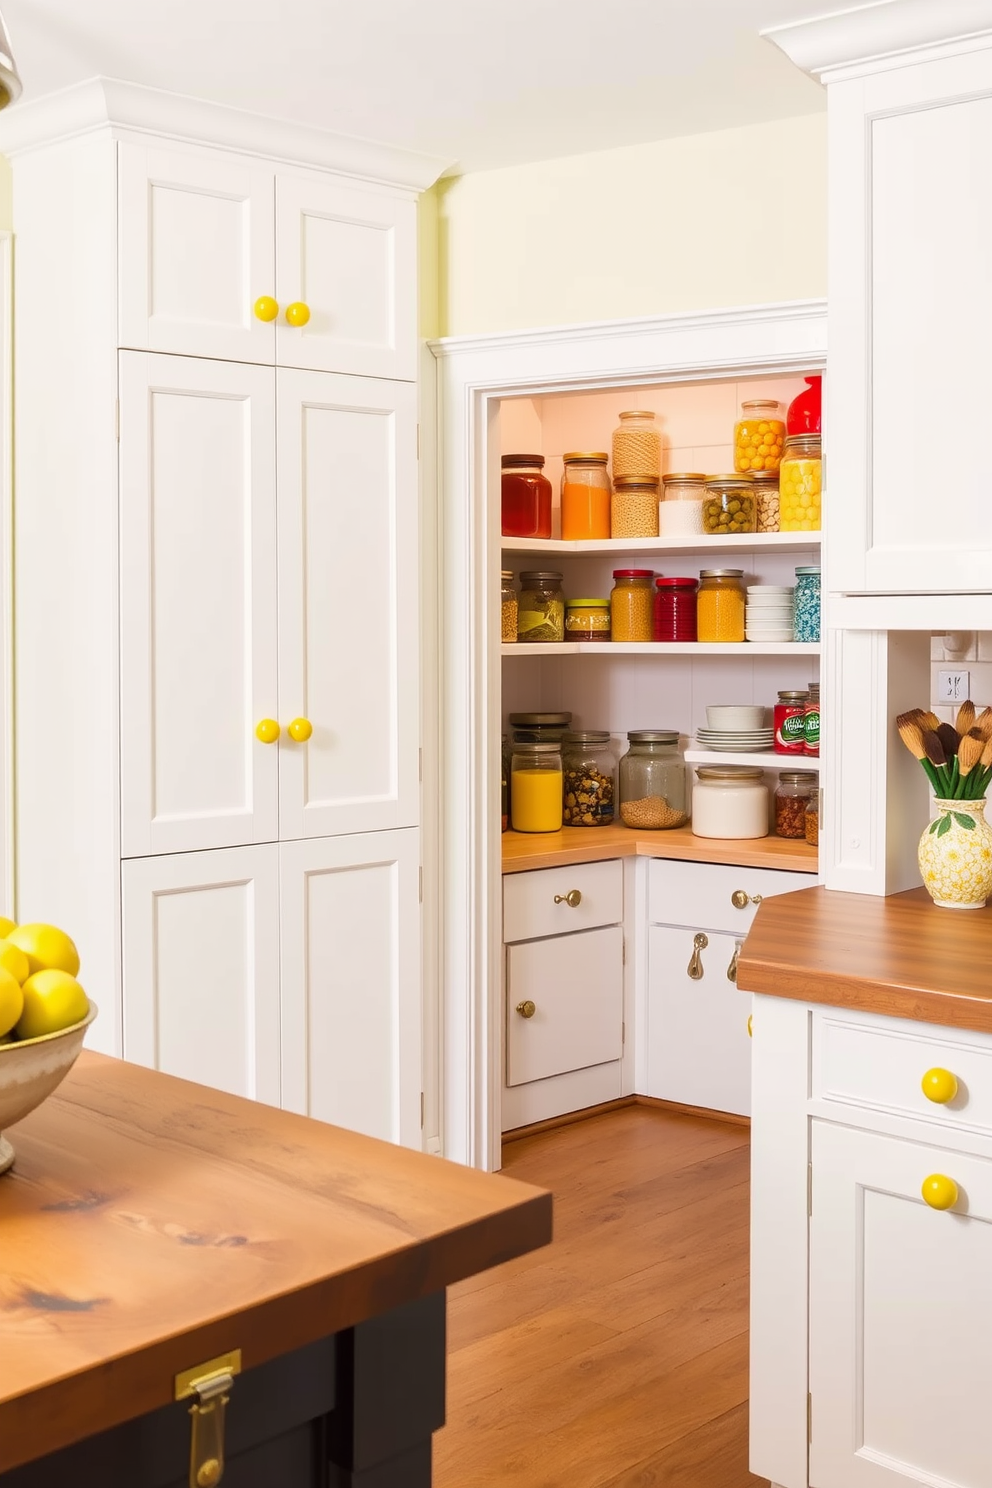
pixel 800 484
pixel 759 435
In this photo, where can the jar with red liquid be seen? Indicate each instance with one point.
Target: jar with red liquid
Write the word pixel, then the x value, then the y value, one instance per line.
pixel 675 609
pixel 526 497
pixel 790 723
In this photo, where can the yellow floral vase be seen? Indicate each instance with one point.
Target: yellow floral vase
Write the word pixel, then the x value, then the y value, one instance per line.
pixel 956 855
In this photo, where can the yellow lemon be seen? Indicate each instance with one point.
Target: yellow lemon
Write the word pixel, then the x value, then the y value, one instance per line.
pixel 13 959
pixel 46 947
pixel 6 926
pixel 52 1000
pixel 11 1001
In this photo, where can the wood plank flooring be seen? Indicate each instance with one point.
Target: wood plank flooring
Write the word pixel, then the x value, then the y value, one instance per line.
pixel 617 1356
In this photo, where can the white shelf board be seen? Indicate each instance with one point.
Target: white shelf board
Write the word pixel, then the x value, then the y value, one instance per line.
pixel 661 648
pixel 745 542
pixel 769 761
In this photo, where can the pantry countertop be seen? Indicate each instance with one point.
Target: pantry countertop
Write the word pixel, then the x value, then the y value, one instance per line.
pixel 526 850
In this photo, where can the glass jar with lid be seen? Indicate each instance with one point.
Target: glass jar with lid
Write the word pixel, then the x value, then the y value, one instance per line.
pixel 526 497
pixel 728 506
pixel 536 788
pixel 590 776
pixel 811 720
pixel 635 507
pixel 507 607
pixel 800 482
pixel 539 728
pixel 540 607
pixel 587 620
pixel 729 801
pixel 720 605
pixel 791 795
pixel 675 609
pixel 637 446
pixel 759 434
pixel 764 484
pixel 632 604
pixel 806 614
pixel 652 781
pixel 681 511
pixel 585 497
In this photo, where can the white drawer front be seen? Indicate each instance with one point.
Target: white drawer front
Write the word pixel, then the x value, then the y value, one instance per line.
pixel 575 983
pixel 701 894
pixel 536 904
pixel 882 1069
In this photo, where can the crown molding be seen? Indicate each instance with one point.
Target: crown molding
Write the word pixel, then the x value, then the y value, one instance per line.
pixel 887 33
pixel 129 108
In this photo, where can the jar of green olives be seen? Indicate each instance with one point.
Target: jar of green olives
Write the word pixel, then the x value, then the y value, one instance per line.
pixel 729 505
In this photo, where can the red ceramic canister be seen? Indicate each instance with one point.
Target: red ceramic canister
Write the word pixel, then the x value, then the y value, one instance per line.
pixel 675 609
pixel 790 723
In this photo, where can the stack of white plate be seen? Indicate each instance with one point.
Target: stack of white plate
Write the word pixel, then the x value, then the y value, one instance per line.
pixel 770 613
pixel 733 729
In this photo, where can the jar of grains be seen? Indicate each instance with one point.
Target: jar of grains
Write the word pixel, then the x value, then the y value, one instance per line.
pixel 811 821
pixel 759 435
pixel 632 604
pixel 637 446
pixel 590 779
pixel 508 607
pixel 540 608
pixel 652 781
pixel 635 507
pixel 587 620
pixel 720 605
pixel 764 484
pixel 681 511
pixel 526 497
pixel 806 620
pixel 675 609
pixel 728 506
pixel 585 497
pixel 536 788
pixel 800 479
pixel 791 795
pixel 729 801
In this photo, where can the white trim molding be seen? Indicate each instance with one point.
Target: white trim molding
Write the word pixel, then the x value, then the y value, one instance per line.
pixel 885 34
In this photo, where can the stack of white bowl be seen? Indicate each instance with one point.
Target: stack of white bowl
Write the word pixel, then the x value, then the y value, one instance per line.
pixel 770 613
pixel 733 729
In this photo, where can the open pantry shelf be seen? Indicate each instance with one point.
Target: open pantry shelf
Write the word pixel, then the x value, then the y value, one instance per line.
pixel 767 761
pixel 746 542
pixel 697 649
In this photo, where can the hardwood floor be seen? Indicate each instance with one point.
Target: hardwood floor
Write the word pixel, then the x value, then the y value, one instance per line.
pixel 617 1356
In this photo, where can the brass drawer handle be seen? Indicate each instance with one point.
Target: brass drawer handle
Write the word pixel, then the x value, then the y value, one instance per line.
pixel 695 967
pixel 740 899
pixel 732 968
pixel 527 1009
pixel 573 898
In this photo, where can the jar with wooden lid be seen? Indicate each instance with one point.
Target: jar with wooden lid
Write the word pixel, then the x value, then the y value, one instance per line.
pixel 729 801
pixel 681 511
pixel 728 506
pixel 759 435
pixel 635 507
pixel 764 484
pixel 637 446
pixel 585 497
pixel 791 795
pixel 540 608
pixel 507 608
pixel 632 604
pixel 536 788
pixel 526 497
pixel 720 605
pixel 590 774
pixel 652 781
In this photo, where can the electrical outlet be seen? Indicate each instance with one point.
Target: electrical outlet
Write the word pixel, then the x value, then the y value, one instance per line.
pixel 953 687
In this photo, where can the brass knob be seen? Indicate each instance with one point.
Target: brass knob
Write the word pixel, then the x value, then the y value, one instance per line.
pixel 208 1473
pixel 695 967
pixel 750 1025
pixel 732 968
pixel 573 898
pixel 740 899
pixel 526 1009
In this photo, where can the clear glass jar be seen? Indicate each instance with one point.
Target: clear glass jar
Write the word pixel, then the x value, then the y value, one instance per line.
pixel 720 605
pixel 635 507
pixel 759 434
pixel 541 608
pixel 637 446
pixel 811 720
pixel 536 788
pixel 811 821
pixel 800 484
pixel 791 795
pixel 526 497
pixel 728 506
pixel 681 511
pixel 652 781
pixel 764 484
pixel 729 801
pixel 539 728
pixel 585 497
pixel 806 617
pixel 587 620
pixel 675 609
pixel 590 778
pixel 632 604
pixel 507 607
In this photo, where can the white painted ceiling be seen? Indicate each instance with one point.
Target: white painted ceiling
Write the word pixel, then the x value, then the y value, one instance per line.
pixel 482 83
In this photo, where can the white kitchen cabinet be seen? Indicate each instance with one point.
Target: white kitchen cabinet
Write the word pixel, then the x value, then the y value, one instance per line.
pixel 564 1004
pixel 699 1051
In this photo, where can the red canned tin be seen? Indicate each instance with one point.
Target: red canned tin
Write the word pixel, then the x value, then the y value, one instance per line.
pixel 790 723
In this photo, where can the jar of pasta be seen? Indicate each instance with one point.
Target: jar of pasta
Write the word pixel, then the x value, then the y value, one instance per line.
pixel 800 484
pixel 632 604
pixel 720 605
pixel 635 507
pixel 681 511
pixel 728 507
pixel 590 771
pixel 540 608
pixel 758 435
pixel 637 446
pixel 764 484
pixel 536 788
pixel 585 497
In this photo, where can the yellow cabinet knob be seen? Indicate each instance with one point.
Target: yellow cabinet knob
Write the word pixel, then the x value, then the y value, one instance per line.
pixel 266 308
pixel 939 1191
pixel 300 729
pixel 297 313
pixel 750 1030
pixel 267 731
pixel 939 1086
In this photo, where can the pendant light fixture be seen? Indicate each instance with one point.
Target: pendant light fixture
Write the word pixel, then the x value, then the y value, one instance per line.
pixel 10 82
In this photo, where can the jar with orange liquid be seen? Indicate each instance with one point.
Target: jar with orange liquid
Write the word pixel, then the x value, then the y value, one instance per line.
pixel 585 497
pixel 536 788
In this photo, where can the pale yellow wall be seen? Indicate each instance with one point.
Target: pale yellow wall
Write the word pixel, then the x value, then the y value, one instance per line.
pixel 736 217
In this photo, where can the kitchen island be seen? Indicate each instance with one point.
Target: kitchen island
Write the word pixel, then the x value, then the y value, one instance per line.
pixel 163 1240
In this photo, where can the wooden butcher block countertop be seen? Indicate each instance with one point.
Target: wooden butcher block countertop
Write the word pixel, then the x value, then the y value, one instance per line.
pixel 526 850
pixel 149 1224
pixel 900 955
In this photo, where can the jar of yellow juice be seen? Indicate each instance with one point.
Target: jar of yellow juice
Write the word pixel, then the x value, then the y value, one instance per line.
pixel 536 788
pixel 800 484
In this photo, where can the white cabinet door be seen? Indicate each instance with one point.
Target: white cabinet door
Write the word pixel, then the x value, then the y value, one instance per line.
pixel 351 982
pixel 698 1049
pixel 350 254
pixel 197 249
pixel 198 604
pixel 348 603
pixel 900 1315
pixel 201 968
pixel 575 983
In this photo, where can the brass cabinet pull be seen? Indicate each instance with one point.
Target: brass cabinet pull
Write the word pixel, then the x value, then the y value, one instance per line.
pixel 732 968
pixel 573 898
pixel 740 899
pixel 527 1009
pixel 695 967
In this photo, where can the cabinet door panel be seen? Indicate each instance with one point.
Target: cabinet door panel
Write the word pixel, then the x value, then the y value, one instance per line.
pixel 699 1052
pixel 576 984
pixel 348 603
pixel 201 968
pixel 351 982
pixel 197 248
pixel 900 1315
pixel 198 604
pixel 350 254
